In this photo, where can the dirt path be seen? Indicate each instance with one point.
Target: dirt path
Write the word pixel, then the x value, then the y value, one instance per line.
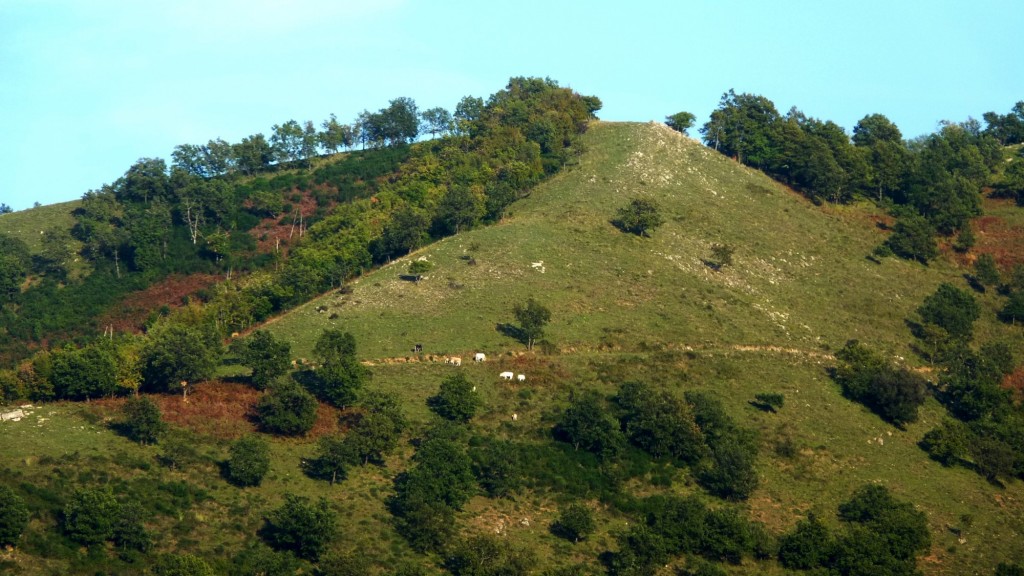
pixel 809 354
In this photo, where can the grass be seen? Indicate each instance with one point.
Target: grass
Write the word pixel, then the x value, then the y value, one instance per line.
pixel 28 226
pixel 623 308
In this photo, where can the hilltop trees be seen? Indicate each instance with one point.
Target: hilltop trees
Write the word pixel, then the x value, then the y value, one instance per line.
pixel 680 122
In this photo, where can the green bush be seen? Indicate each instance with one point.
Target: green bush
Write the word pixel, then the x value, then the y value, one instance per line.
pixel 141 420
pixel 13 516
pixel 249 461
pixel 286 409
pixel 300 526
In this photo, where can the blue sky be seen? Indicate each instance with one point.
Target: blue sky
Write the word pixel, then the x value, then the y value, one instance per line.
pixel 87 87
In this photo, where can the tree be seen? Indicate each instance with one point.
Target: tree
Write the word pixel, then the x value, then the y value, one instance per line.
pixel 459 209
pixel 893 393
pixel 84 373
pixel 680 122
pixel 402 120
pixel 532 317
pixel 129 529
pixel 587 424
pixel 985 270
pixel 456 400
pixel 952 309
pixel 743 127
pixel 14 516
pixel 142 421
pixel 182 565
pixel 333 457
pixel 436 121
pixel 378 428
pixel 13 272
pixel 340 376
pixel 286 408
pixel 267 356
pixel 912 238
pixel 659 423
pixel 639 217
pixel 947 443
pixel 177 352
pixel 253 154
pixel 249 461
pixel 301 526
pixel 287 141
pixel 729 472
pixel 5 209
pixel 808 546
pixel 875 128
pixel 902 527
pixel 575 522
pixel 89 516
pixel 1013 310
pixel 335 135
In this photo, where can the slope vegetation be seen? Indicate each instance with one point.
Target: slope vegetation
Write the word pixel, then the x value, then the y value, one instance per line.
pixel 625 307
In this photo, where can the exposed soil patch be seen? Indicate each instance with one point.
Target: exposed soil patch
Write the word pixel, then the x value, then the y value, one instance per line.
pixel 277 234
pixel 130 314
pixel 220 409
pixel 996 236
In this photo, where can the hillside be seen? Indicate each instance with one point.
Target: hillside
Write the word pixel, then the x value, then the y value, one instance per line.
pixel 623 308
pixel 638 308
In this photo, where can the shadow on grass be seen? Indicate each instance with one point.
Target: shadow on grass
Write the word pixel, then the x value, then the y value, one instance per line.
pixel 512 331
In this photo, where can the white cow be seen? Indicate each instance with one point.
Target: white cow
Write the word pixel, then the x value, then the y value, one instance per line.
pixel 521 377
pixel 479 357
pixel 456 360
pixel 506 375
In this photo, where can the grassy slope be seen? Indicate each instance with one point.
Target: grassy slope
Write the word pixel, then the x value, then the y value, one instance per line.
pixel 623 307
pixel 28 226
pixel 801 281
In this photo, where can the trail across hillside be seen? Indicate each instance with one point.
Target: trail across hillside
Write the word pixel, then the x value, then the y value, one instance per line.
pixel 712 349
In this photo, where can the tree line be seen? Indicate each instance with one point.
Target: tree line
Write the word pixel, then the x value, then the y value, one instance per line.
pixel 371 206
pixel 933 184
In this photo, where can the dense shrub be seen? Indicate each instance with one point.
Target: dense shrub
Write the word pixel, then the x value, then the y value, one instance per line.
pixel 286 409
pixel 13 516
pixel 249 461
pixel 300 526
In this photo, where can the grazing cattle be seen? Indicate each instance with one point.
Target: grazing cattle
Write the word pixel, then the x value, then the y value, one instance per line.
pixel 457 361
pixel 479 357
pixel 506 375
pixel 234 334
pixel 521 377
pixel 515 416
